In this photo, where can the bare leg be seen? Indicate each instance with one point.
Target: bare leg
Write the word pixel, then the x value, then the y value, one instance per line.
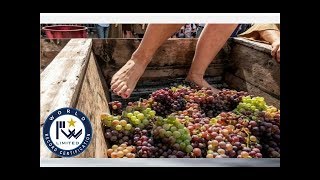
pixel 211 40
pixel 125 80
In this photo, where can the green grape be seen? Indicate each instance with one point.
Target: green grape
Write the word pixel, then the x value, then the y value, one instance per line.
pixel 182 145
pixel 166 127
pixel 128 127
pixel 145 122
pixel 118 127
pixel 108 123
pixel 138 121
pixel 140 116
pixel 187 142
pixel 209 152
pixel 176 134
pixel 168 133
pixel 152 113
pixel 110 118
pixel 148 109
pixel 173 128
pixel 129 115
pixel 181 126
pixel 182 131
pixel 136 113
pixel 133 118
pixel 179 141
pixel 189 149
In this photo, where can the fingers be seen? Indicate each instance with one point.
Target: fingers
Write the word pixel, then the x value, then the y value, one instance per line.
pixel 274 52
pixel 278 55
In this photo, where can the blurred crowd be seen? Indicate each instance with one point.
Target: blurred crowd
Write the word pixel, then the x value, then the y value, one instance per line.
pixel 132 30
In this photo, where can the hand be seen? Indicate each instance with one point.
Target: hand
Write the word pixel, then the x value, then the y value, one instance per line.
pixel 275 52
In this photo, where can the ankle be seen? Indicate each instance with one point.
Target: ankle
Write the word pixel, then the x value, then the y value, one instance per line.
pixel 192 75
pixel 141 58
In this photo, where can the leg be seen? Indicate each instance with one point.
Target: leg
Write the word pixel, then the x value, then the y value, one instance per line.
pixel 125 80
pixel 211 40
pixel 100 31
pixel 106 32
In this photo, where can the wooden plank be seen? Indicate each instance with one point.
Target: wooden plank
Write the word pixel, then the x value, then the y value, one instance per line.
pixel 93 102
pixel 254 64
pixel 174 52
pixel 240 84
pixel 252 44
pixel 60 82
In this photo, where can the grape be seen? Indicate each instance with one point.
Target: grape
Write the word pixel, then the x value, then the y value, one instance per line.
pixel 244 154
pixel 118 127
pixel 115 122
pixel 128 127
pixel 140 116
pixel 197 152
pixel 221 151
pixel 123 123
pixel 229 147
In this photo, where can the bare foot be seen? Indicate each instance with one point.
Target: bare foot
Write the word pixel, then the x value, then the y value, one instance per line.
pixel 199 81
pixel 125 80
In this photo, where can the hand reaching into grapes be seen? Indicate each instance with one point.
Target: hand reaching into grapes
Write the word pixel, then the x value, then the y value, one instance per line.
pixel 275 52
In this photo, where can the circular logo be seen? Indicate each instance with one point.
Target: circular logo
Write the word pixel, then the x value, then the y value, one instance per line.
pixel 67 132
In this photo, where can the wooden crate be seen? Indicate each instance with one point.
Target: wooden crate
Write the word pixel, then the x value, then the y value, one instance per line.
pixel 78 76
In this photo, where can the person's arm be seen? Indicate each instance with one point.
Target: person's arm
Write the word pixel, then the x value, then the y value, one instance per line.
pixel 265 32
pixel 273 37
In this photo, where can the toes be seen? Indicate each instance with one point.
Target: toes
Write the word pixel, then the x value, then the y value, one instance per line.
pixel 118 88
pixel 115 85
pixel 127 93
pixel 113 80
pixel 122 90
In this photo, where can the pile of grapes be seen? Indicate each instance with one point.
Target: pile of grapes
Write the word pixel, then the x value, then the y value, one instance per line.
pixel 182 122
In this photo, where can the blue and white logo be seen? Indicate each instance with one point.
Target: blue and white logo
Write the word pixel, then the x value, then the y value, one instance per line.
pixel 67 132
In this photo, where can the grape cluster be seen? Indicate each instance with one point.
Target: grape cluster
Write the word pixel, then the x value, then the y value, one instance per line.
pixel 118 137
pixel 144 144
pixel 165 101
pixel 263 121
pixel 115 122
pixel 193 123
pixel 173 133
pixel 213 104
pixel 230 142
pixel 115 107
pixel 122 151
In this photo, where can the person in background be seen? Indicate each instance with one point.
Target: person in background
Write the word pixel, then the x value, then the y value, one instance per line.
pixel 102 30
pixel 139 30
pixel 265 33
pixel 188 31
pixel 194 30
pixel 180 34
pixel 127 30
pixel 199 29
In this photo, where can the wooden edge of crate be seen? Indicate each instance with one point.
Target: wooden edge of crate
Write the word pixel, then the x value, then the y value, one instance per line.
pixel 252 62
pixel 93 102
pixel 73 79
pixel 253 44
